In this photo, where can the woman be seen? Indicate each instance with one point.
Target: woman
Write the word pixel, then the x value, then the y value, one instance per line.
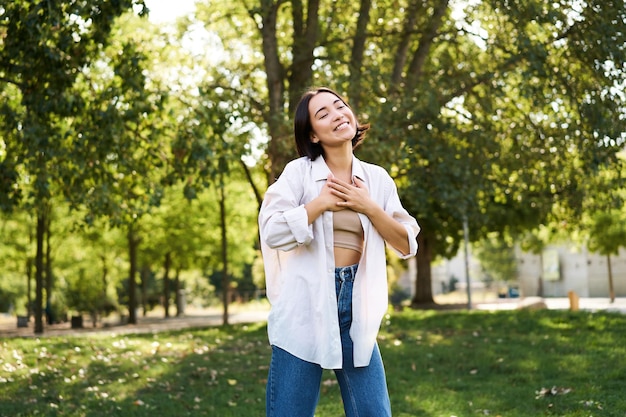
pixel 323 227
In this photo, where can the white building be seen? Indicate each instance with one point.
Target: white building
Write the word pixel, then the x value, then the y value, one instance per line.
pixel 561 269
pixel 558 270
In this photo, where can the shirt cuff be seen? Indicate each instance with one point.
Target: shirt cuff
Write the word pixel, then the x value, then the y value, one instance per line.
pixel 298 221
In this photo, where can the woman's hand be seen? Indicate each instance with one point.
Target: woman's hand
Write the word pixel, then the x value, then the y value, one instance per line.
pixel 331 200
pixel 326 201
pixel 354 196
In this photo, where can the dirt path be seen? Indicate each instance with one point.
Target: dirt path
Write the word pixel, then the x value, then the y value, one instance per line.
pixel 151 323
pixel 249 313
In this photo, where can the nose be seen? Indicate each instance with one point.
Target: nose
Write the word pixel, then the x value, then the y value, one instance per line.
pixel 336 114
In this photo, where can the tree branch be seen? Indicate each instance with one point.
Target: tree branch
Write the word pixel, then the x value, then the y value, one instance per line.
pixel 416 68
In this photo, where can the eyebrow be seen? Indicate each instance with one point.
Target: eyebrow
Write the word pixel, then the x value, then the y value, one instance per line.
pixel 324 108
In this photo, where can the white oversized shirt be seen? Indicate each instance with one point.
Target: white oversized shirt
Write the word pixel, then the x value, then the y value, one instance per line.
pixel 300 266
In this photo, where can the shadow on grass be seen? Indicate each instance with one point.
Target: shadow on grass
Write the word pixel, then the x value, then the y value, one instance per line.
pixel 483 363
pixel 192 372
pixel 439 363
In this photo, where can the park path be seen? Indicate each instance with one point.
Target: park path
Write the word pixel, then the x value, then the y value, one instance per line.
pixel 558 303
pixel 153 322
pixel 257 312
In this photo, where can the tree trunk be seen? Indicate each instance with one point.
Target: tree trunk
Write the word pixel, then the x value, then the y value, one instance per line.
pixel 49 279
pixel 132 284
pixel 144 275
pixel 166 283
pixel 611 288
pixel 416 67
pixel 404 44
pixel 305 33
pixel 105 272
pixel 258 195
pixel 358 51
pixel 277 147
pixel 225 278
pixel 179 311
pixel 423 283
pixel 29 289
pixel 39 268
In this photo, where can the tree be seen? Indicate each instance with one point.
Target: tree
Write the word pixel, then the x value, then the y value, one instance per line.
pixel 608 235
pixel 497 258
pixel 121 149
pixel 209 146
pixel 605 218
pixel 496 116
pixel 44 48
pixel 17 258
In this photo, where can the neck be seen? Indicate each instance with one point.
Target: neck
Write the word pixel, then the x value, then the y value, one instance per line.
pixel 340 165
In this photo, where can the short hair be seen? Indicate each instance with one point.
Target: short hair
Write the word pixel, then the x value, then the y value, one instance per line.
pixel 302 127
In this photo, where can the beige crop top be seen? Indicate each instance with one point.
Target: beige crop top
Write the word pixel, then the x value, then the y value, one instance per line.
pixel 348 230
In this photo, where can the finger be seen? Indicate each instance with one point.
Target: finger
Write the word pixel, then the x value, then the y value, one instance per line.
pixel 336 185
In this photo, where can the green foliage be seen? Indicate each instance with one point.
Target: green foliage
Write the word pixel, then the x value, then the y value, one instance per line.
pixel 44 47
pixel 16 255
pixel 89 262
pixel 497 112
pixel 605 219
pixel 509 114
pixel 189 231
pixel 497 258
pixel 608 232
pixel 117 144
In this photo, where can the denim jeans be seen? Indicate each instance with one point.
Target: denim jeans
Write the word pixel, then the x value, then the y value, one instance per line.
pixel 293 385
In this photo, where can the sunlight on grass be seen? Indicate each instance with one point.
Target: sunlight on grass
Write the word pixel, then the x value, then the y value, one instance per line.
pixel 453 363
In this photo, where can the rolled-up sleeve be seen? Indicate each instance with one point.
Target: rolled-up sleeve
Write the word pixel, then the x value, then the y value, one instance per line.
pixel 283 220
pixel 412 232
pixel 286 230
pixel 395 209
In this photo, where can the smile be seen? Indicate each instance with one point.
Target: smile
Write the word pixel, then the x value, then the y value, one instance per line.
pixel 342 126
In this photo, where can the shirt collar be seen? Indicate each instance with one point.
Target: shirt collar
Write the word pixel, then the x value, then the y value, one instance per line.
pixel 320 170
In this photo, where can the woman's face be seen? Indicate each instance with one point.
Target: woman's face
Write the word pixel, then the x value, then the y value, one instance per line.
pixel 332 121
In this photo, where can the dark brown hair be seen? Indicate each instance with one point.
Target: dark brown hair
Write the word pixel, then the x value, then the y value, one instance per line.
pixel 302 125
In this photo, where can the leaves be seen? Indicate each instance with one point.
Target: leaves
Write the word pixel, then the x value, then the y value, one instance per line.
pixel 111 373
pixel 497 114
pixel 546 392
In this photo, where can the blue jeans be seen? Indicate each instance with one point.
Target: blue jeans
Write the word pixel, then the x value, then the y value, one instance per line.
pixel 293 385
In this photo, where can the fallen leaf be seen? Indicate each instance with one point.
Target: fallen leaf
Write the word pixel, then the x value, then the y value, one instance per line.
pixel 547 392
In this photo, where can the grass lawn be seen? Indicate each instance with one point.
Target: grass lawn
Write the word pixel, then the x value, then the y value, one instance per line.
pixel 439 364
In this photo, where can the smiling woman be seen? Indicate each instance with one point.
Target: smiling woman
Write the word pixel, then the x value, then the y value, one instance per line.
pixel 167 11
pixel 324 225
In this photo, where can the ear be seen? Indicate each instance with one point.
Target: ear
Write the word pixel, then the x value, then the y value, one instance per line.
pixel 314 138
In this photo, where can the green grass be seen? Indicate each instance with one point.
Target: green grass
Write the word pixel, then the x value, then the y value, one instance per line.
pixel 439 364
